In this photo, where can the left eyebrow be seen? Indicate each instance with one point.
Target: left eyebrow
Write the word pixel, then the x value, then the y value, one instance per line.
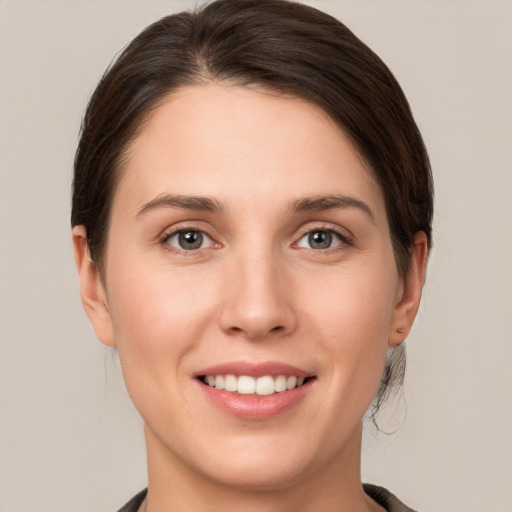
pixel 183 202
pixel 328 202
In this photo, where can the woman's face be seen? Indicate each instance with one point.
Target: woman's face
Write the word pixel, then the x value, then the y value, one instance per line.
pixel 248 239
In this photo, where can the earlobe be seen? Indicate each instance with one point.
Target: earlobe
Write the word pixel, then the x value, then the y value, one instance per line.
pixel 92 291
pixel 410 294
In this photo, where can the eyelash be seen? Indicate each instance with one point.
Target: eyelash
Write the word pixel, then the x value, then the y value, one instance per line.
pixel 344 240
pixel 164 241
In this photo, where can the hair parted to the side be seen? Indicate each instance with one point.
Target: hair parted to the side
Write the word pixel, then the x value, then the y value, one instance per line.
pixel 285 48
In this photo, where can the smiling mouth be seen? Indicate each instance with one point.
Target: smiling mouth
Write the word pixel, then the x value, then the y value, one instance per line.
pixel 265 385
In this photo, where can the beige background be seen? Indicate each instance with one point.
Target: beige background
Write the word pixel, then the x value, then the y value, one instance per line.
pixel 69 438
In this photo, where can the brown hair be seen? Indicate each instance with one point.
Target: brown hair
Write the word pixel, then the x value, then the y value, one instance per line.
pixel 285 47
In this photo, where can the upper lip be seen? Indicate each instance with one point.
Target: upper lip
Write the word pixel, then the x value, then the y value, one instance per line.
pixel 253 369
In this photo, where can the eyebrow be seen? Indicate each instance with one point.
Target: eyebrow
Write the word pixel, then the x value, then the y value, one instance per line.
pixel 304 204
pixel 328 202
pixel 197 203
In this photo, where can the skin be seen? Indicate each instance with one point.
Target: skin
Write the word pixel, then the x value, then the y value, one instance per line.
pixel 256 291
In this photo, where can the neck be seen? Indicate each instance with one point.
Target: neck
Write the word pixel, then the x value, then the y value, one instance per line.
pixel 334 486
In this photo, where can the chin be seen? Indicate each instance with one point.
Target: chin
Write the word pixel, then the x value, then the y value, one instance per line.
pixel 259 475
pixel 260 463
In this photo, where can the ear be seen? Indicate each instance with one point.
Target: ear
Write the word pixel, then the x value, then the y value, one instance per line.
pixel 408 300
pixel 92 291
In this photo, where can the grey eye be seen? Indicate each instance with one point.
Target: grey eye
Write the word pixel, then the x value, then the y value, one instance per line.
pixel 320 239
pixel 189 240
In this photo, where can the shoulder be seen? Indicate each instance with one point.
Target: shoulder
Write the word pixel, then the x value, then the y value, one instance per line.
pixel 134 504
pixel 383 497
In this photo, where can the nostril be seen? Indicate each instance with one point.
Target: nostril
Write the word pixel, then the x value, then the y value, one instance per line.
pixel 276 329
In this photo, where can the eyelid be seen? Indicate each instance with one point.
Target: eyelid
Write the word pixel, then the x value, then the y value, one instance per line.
pixel 181 228
pixel 342 232
pixel 344 235
pixel 205 238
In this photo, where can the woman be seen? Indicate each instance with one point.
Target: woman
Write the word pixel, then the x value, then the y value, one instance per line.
pixel 252 212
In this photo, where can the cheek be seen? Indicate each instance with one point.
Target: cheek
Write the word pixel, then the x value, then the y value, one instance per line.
pixel 158 317
pixel 352 316
pixel 360 300
pixel 159 323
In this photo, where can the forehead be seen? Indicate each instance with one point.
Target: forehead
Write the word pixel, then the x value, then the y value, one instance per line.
pixel 242 147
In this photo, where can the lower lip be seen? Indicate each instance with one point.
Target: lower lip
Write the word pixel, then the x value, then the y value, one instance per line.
pixel 253 407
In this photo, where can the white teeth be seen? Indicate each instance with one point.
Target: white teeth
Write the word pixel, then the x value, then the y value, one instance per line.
pixel 280 383
pixel 291 382
pixel 230 383
pixel 246 385
pixel 265 385
pixel 219 381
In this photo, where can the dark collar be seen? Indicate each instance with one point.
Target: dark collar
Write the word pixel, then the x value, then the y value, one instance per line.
pixel 382 496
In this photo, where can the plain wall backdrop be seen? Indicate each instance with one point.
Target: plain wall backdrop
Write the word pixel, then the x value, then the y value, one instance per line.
pixel 69 438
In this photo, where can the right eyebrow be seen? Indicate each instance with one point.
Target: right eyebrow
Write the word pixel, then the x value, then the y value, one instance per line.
pixel 184 202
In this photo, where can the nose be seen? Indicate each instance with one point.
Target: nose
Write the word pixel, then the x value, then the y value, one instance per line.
pixel 258 300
